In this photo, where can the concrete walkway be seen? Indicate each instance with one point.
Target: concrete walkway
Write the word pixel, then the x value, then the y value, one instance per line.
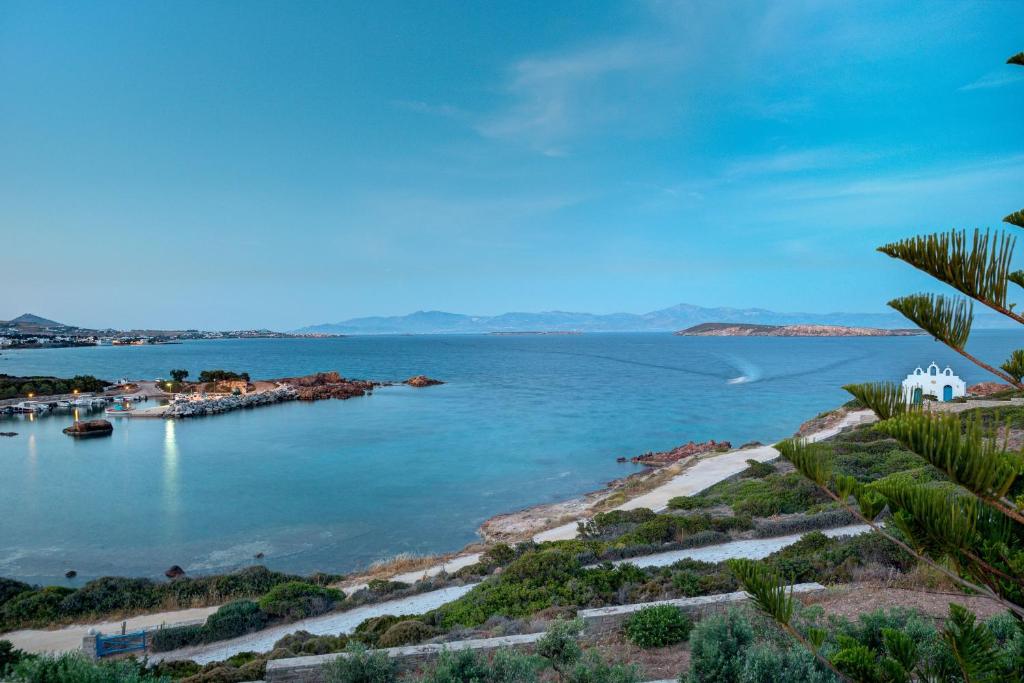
pixel 333 623
pixel 706 473
pixel 70 637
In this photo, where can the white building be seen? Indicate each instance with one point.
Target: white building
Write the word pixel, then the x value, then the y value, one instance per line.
pixel 943 385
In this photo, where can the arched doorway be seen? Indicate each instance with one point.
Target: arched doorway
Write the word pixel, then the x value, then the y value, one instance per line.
pixel 917 395
pixel 947 393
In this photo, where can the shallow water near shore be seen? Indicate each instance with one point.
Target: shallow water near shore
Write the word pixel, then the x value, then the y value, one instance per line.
pixel 335 485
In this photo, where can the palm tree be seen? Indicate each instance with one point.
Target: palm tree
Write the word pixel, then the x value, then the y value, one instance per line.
pixel 971 530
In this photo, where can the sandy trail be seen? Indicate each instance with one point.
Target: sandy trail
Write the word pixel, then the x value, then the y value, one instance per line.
pixel 706 473
pixel 70 637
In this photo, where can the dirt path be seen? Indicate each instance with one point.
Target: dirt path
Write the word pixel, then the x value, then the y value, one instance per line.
pixel 70 637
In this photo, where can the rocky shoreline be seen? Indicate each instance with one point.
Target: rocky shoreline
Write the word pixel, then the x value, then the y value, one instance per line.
pixel 316 387
pixel 184 407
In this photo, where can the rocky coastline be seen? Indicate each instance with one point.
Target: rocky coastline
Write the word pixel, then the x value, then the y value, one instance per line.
pixel 187 407
pixel 662 458
pixel 316 387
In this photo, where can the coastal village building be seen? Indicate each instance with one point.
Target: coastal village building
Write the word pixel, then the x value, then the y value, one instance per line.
pixel 942 384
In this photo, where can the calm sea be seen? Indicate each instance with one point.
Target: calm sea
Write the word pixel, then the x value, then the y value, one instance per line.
pixel 335 485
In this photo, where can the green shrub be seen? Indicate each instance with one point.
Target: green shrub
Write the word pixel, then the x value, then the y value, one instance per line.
pixel 111 594
pixel 37 607
pixel 560 644
pixel 498 555
pixel 757 470
pixel 689 503
pixel 408 632
pixel 370 630
pixel 297 600
pixel 75 668
pixel 829 519
pixel 592 668
pixel 463 666
pixel 9 588
pixel 658 626
pixel 234 619
pixel 176 637
pixel 9 657
pixel 717 646
pixel 765 663
pixel 384 587
pixel 360 666
pixel 306 643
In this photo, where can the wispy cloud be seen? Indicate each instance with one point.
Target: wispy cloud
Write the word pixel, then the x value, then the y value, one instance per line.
pixel 795 161
pixel 553 98
pixel 994 79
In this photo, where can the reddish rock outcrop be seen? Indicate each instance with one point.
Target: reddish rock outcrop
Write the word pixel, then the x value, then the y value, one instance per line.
pixel 422 381
pixel 987 388
pixel 89 428
pixel 324 385
pixel 662 458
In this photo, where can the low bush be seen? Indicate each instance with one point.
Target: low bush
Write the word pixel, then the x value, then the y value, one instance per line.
pixel 408 632
pixel 717 647
pixel 112 594
pixel 658 626
pixel 75 668
pixel 234 619
pixel 176 637
pixel 297 600
pixel 370 630
pixel 383 587
pixel 757 470
pixel 766 528
pixel 9 588
pixel 10 657
pixel 360 666
pixel 690 503
pixel 767 663
pixel 35 607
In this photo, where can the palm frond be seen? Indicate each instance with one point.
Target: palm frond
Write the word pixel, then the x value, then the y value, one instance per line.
pixel 968 456
pixel 885 399
pixel 766 588
pixel 811 459
pixel 947 319
pixel 1015 218
pixel 1014 365
pixel 941 521
pixel 976 267
pixel 1016 277
pixel 972 645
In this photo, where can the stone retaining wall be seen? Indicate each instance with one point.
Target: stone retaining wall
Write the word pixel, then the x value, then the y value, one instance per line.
pixel 311 669
pixel 606 619
pixel 596 622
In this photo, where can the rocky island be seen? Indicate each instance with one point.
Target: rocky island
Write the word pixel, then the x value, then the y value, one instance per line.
pixel 801 330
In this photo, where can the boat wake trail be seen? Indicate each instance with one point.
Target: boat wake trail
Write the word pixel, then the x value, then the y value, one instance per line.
pixel 628 361
pixel 748 371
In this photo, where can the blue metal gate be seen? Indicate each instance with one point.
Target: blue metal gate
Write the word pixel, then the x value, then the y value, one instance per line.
pixel 129 642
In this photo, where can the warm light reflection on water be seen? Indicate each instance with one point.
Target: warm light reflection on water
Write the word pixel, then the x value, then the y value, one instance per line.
pixel 172 482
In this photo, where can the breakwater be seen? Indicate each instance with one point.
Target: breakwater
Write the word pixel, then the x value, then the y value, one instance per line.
pixel 195 407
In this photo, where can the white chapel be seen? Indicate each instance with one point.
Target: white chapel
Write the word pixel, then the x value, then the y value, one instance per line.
pixel 942 384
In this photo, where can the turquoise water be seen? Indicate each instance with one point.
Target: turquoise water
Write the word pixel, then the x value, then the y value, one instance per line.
pixel 335 485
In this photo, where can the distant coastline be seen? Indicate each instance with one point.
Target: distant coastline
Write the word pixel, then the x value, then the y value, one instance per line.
pixel 750 330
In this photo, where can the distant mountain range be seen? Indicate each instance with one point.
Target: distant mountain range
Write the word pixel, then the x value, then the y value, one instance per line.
pixel 665 320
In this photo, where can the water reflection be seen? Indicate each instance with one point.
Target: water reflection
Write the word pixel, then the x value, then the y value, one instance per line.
pixel 172 484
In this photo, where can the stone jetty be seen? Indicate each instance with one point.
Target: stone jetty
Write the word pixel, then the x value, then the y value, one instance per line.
pixel 195 407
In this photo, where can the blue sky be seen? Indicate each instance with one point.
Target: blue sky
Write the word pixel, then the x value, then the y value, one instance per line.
pixel 237 164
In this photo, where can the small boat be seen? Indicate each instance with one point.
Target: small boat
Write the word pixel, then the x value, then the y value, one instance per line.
pixel 119 410
pixel 30 407
pixel 84 402
pixel 64 404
